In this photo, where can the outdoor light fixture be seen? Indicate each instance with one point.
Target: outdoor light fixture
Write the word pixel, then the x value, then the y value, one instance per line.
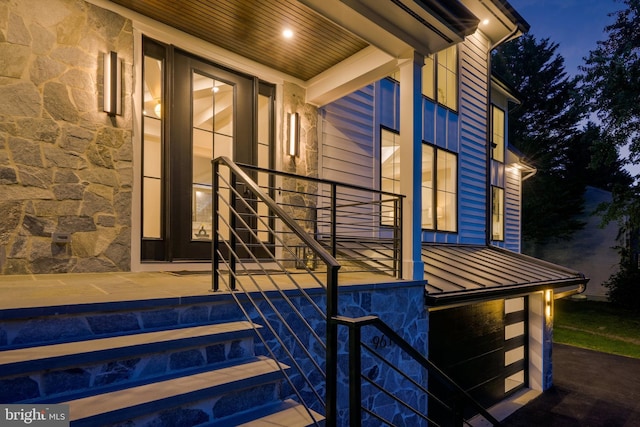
pixel 112 84
pixel 294 134
pixel 547 302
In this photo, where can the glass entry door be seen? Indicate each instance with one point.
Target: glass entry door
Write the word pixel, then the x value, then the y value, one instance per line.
pixel 212 116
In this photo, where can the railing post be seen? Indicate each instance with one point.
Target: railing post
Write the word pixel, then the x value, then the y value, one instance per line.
pixel 334 219
pixel 233 240
pixel 355 380
pixel 399 231
pixel 215 257
pixel 332 348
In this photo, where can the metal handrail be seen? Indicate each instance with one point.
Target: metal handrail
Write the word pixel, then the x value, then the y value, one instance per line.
pixel 341 204
pixel 331 263
pixel 237 247
pixel 355 369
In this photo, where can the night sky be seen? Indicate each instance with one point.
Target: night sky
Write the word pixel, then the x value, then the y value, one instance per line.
pixel 576 25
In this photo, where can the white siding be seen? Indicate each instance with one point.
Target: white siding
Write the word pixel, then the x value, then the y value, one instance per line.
pixel 348 139
pixel 473 172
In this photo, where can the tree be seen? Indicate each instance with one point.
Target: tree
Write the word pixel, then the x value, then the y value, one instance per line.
pixel 611 85
pixel 544 128
pixel 611 80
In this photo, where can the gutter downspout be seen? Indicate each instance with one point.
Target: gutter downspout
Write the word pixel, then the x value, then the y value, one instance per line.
pixel 487 227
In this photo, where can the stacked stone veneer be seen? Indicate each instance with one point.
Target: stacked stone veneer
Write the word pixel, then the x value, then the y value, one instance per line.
pixel 401 306
pixel 65 166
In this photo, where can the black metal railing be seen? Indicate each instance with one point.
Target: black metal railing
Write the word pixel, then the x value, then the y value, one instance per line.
pixel 255 254
pixel 415 372
pixel 279 255
pixel 360 227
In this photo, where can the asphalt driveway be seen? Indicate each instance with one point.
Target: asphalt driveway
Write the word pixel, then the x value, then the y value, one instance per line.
pixel 591 389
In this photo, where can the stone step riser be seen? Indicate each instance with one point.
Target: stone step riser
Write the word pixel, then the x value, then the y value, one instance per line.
pixel 89 374
pixel 50 329
pixel 215 408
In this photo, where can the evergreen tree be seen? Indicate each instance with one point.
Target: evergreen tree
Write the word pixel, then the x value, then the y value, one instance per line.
pixel 544 128
pixel 611 85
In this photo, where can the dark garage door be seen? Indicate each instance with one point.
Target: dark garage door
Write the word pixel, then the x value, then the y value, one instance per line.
pixel 482 347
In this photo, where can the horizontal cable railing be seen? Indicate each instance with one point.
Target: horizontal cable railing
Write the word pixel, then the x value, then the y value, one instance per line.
pixel 360 227
pixel 276 258
pixel 255 250
pixel 402 386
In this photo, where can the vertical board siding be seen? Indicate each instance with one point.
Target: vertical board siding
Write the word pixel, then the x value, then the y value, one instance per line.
pixel 473 139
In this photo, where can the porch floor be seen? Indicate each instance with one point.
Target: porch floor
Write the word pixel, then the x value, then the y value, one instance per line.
pixel 48 290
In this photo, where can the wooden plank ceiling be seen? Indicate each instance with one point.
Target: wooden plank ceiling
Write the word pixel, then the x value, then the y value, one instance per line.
pixel 253 29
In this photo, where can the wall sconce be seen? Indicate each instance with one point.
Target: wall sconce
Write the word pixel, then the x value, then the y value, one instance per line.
pixel 294 134
pixel 548 294
pixel 112 84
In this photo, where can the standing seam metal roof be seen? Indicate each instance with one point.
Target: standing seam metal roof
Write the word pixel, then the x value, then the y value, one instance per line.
pixel 459 273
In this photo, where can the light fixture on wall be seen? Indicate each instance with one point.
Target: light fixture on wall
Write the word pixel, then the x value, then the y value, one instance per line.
pixel 294 134
pixel 548 294
pixel 112 84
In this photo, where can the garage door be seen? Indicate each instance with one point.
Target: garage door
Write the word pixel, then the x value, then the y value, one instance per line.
pixel 481 346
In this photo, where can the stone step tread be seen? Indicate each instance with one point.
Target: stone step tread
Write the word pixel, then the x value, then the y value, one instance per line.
pixel 59 355
pixel 287 413
pixel 293 415
pixel 164 394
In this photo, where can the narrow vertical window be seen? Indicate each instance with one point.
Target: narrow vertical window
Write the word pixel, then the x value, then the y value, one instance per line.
pixel 152 143
pixel 427 186
pixel 497 134
pixel 429 77
pixel 439 189
pixel 265 132
pixel 389 171
pixel 447 77
pixel 446 191
pixel 497 213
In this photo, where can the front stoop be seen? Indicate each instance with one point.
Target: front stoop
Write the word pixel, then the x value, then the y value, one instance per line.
pixel 178 375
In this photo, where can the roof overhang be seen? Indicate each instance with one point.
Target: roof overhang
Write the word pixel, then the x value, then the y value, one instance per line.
pixel 460 274
pixel 397 26
pixel 499 20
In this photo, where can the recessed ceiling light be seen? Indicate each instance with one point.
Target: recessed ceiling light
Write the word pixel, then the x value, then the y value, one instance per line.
pixel 485 22
pixel 287 33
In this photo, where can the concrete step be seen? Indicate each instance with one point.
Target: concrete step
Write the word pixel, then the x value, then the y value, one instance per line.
pixel 42 372
pixel 183 401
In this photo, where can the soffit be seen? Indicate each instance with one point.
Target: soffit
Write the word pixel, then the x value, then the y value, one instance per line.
pixel 459 273
pixel 253 29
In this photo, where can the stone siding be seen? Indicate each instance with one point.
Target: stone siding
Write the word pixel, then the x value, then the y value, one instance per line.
pixel 400 306
pixel 65 166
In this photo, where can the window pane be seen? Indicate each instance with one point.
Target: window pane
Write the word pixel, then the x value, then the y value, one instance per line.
pixel 427 186
pixel 212 133
pixel 152 148
pixel 447 87
pixel 389 171
pixel 151 200
pixel 446 194
pixel 497 213
pixel 497 137
pixel 428 77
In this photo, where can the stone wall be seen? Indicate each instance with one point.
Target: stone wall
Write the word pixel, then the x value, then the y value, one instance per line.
pixel 65 166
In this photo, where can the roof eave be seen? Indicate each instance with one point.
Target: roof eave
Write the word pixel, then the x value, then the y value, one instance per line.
pixel 485 294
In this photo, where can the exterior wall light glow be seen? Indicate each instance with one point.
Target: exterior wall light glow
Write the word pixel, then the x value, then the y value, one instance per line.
pixel 548 295
pixel 112 84
pixel 293 148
